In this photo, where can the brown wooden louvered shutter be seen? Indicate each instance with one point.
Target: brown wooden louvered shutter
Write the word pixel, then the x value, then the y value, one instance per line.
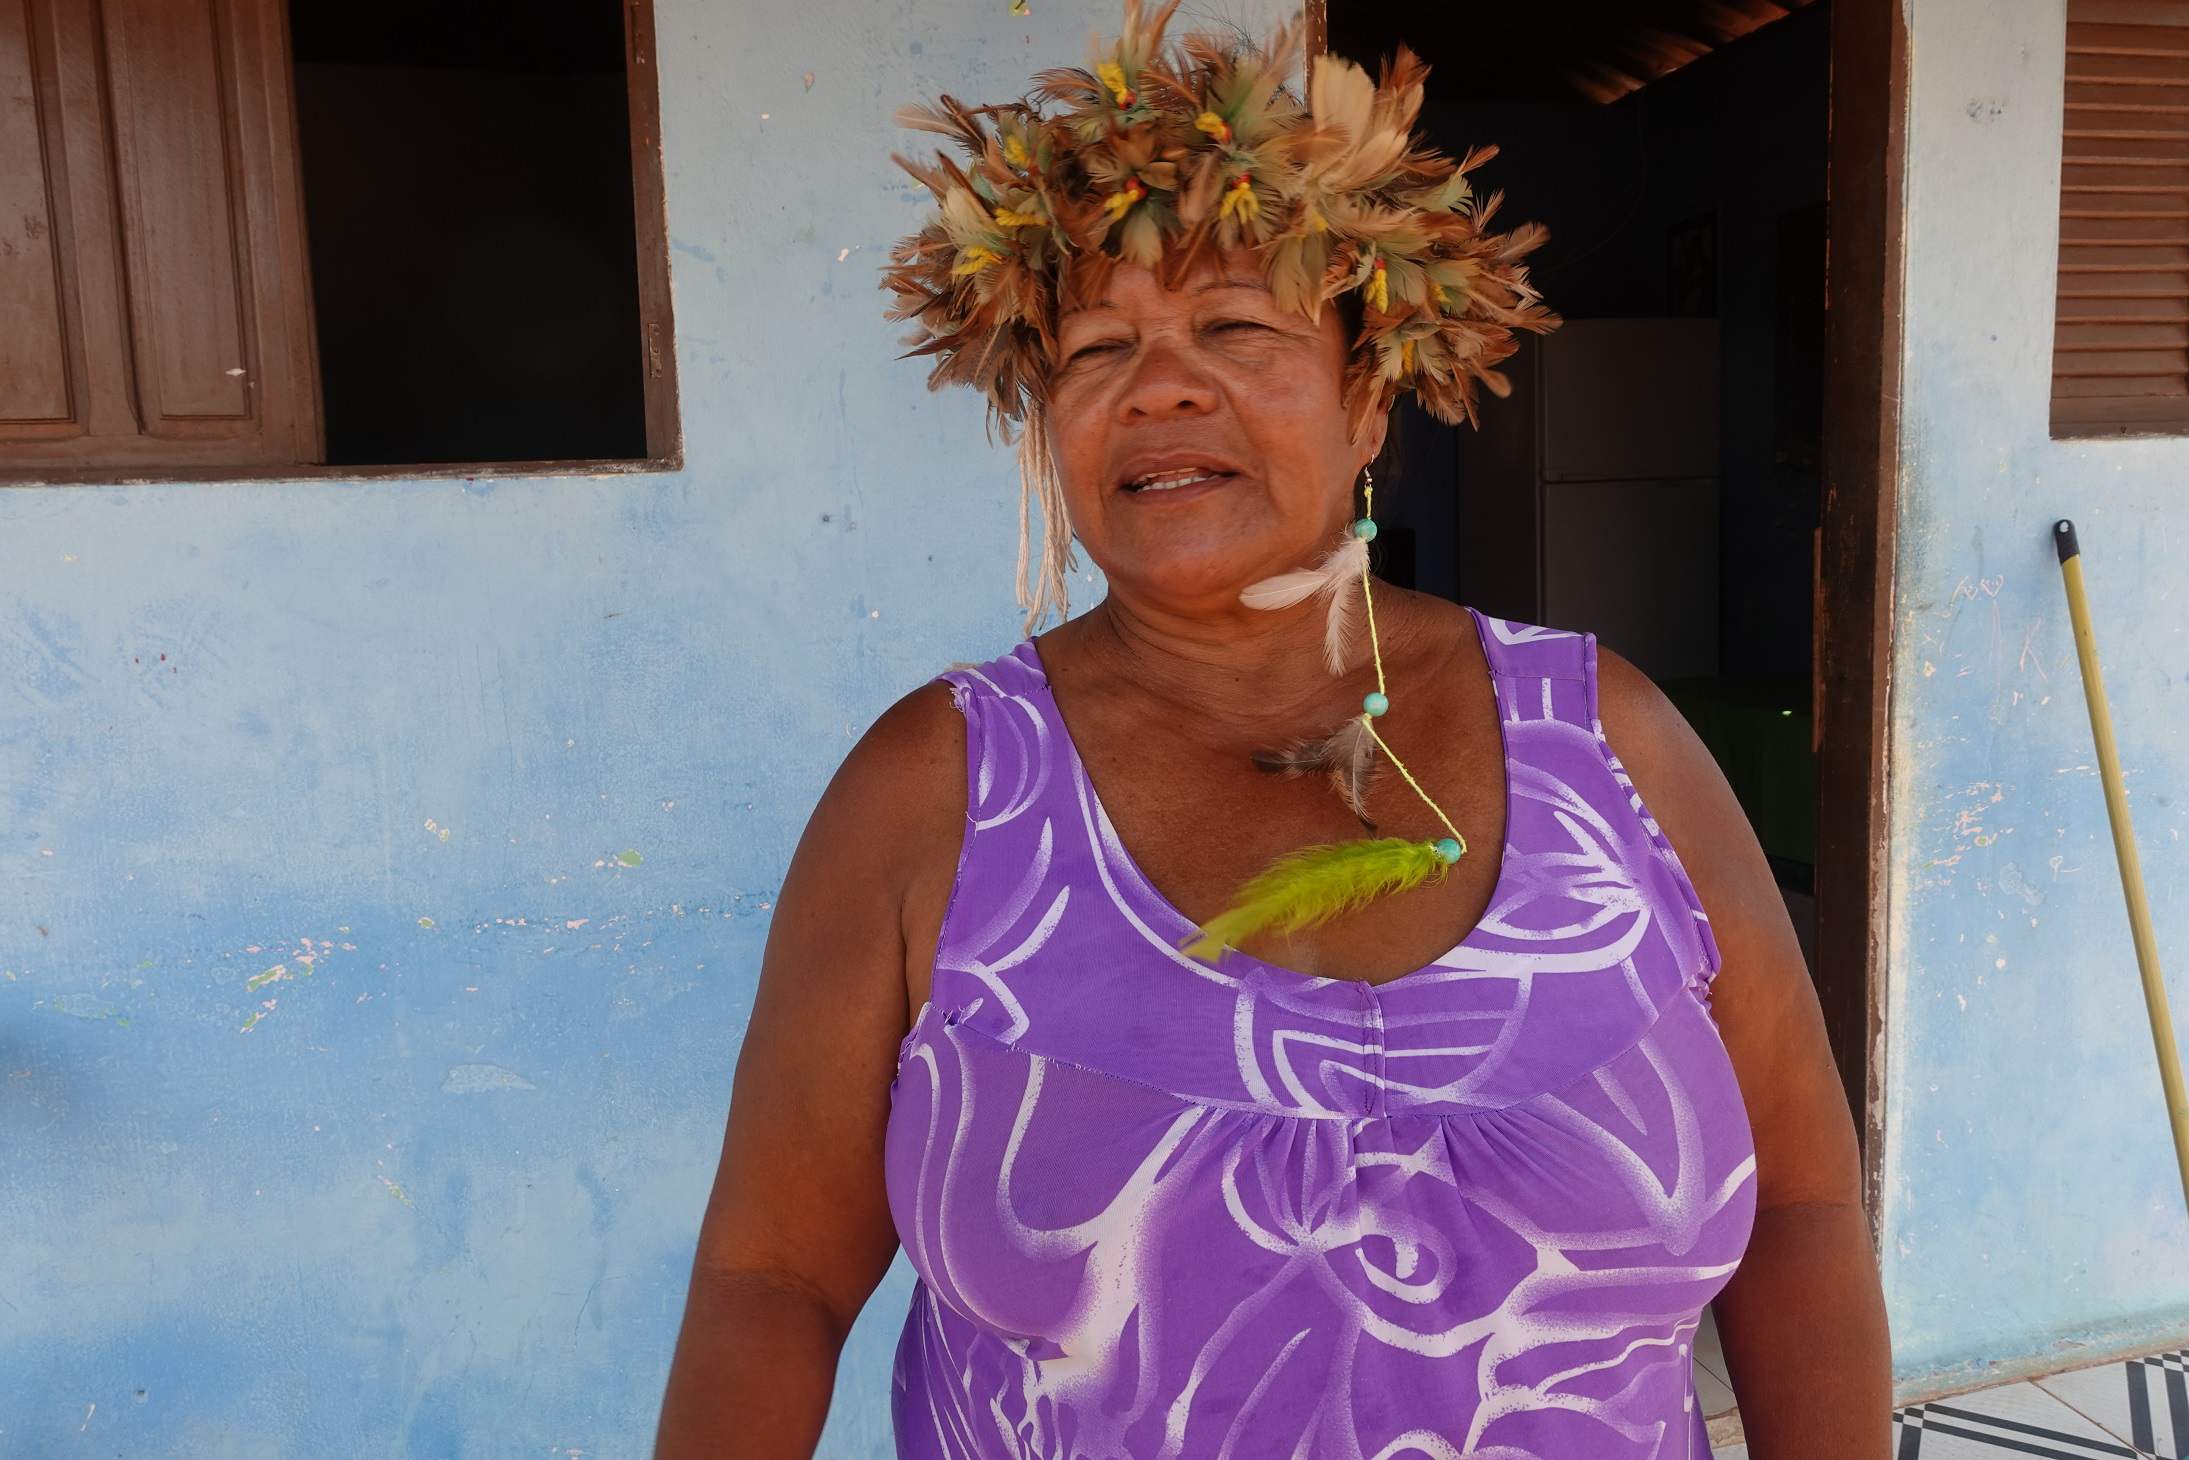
pixel 2120 350
pixel 154 304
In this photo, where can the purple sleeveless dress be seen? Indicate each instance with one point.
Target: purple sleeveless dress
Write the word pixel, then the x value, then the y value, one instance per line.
pixel 1160 1209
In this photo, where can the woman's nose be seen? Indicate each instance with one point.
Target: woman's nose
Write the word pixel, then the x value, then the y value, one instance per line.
pixel 1166 382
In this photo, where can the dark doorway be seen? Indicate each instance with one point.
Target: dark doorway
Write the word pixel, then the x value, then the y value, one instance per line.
pixel 467 171
pixel 1681 155
pixel 1689 203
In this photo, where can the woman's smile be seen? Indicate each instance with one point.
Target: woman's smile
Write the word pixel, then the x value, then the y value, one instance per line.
pixel 1173 477
pixel 1171 481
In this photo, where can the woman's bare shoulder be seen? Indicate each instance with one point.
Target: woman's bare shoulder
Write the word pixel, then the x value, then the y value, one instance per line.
pixel 906 776
pixel 918 727
pixel 1680 781
pixel 1763 999
pixel 1637 716
pixel 860 905
pixel 1442 632
pixel 1688 797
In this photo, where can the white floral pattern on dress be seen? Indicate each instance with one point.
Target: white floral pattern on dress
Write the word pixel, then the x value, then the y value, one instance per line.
pixel 1164 1209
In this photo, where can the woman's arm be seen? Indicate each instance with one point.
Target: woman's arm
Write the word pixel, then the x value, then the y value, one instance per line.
pixel 1803 1321
pixel 797 1231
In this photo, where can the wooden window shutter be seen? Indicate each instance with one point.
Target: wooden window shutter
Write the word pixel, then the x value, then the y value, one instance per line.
pixel 154 307
pixel 2120 349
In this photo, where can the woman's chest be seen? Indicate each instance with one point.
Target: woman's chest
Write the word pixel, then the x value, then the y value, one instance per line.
pixel 1118 1241
pixel 1201 818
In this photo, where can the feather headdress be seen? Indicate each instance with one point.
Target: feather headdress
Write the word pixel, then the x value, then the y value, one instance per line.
pixel 1157 152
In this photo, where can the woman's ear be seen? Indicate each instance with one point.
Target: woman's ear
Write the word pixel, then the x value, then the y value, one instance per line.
pixel 1370 444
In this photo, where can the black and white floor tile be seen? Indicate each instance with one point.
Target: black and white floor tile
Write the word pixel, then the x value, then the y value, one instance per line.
pixel 2138 1410
pixel 1713 1390
pixel 1992 1424
pixel 2144 1401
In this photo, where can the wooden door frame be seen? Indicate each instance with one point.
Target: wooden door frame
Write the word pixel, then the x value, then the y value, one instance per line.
pixel 1856 542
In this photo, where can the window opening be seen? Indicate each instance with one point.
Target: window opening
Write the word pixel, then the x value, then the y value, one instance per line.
pixel 467 179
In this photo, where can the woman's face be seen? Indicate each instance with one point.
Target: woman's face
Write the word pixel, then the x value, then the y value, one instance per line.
pixel 1200 434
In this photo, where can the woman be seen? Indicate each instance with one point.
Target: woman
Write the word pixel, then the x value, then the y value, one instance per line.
pixel 1452 1171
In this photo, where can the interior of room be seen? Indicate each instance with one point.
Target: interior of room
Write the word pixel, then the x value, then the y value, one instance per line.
pixel 466 174
pixel 1656 475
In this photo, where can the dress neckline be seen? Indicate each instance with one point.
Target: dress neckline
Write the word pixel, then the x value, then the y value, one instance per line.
pixel 1170 909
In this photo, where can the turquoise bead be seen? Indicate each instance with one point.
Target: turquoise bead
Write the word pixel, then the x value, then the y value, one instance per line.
pixel 1365 529
pixel 1449 849
pixel 1376 704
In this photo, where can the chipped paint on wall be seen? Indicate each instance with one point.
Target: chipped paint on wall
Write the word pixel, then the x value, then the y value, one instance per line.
pixel 2032 1218
pixel 487 787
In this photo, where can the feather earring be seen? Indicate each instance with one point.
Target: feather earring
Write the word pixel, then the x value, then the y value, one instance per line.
pixel 1340 576
pixel 1316 884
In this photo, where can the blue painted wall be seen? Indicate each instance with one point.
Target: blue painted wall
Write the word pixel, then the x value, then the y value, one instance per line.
pixel 2033 1218
pixel 439 1198
pixel 385 865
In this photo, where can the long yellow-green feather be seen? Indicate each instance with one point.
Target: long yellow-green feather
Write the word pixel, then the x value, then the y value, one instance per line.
pixel 1316 884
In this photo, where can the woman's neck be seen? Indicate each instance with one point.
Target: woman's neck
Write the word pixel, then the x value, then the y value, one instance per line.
pixel 1257 677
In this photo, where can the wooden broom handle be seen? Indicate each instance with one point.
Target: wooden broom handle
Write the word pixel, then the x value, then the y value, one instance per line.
pixel 2124 846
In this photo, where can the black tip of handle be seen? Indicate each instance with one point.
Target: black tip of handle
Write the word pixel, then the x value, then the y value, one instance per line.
pixel 2063 538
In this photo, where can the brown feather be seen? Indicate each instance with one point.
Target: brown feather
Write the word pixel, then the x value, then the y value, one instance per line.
pixel 1347 755
pixel 1339 181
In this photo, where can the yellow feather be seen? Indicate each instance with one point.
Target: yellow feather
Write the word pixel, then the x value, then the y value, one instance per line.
pixel 1314 885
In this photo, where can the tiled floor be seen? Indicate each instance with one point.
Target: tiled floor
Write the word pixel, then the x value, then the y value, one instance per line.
pixel 2138 1410
pixel 1715 1392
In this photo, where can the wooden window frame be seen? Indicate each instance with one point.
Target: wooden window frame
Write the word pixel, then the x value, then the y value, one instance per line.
pixel 275 220
pixel 2120 354
pixel 664 427
pixel 175 243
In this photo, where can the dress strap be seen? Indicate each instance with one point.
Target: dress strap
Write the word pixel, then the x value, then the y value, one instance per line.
pixel 1528 651
pixel 1018 861
pixel 1542 674
pixel 1008 733
pixel 1539 673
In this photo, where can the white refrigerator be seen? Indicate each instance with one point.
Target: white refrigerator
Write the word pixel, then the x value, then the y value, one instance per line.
pixel 1589 499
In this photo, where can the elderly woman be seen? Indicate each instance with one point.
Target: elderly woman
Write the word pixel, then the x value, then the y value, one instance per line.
pixel 1432 1142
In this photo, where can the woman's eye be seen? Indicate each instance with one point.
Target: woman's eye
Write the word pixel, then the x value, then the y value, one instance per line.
pixel 1236 326
pixel 1098 347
